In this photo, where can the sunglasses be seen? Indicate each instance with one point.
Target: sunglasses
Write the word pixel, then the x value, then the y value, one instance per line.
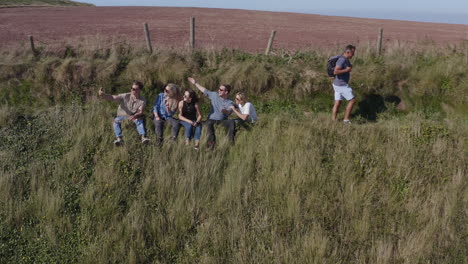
pixel 134 89
pixel 222 90
pixel 238 99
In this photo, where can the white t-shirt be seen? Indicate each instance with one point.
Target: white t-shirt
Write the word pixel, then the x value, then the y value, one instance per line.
pixel 249 109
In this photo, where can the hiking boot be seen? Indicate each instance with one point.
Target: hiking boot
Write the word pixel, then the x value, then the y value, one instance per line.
pixel 118 142
pixel 145 140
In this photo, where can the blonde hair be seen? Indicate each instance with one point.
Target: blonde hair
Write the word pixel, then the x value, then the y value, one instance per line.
pixel 174 97
pixel 242 96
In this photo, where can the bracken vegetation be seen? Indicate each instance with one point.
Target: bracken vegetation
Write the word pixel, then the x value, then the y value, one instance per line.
pixel 297 188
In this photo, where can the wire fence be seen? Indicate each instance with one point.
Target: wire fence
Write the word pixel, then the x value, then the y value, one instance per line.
pixel 99 43
pixel 103 43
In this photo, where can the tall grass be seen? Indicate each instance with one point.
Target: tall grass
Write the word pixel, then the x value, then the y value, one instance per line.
pixel 424 77
pixel 300 190
pixel 295 189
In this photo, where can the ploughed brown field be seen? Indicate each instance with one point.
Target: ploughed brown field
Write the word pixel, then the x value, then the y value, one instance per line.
pixel 243 29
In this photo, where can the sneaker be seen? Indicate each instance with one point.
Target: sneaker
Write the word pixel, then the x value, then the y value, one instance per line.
pixel 196 148
pixel 145 140
pixel 118 142
pixel 347 122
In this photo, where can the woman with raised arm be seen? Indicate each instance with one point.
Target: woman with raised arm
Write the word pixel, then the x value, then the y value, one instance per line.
pixel 165 107
pixel 244 110
pixel 190 117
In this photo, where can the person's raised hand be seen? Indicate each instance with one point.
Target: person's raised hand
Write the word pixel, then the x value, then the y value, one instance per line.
pixel 191 80
pixel 101 92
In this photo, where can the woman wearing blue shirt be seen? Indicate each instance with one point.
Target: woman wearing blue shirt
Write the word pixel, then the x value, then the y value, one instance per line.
pixel 165 107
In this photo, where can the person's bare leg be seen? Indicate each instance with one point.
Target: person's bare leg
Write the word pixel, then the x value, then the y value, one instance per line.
pixel 349 108
pixel 335 110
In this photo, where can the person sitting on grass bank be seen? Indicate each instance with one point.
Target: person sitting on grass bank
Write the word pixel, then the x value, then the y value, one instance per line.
pixel 342 74
pixel 131 108
pixel 165 107
pixel 190 117
pixel 244 110
pixel 220 110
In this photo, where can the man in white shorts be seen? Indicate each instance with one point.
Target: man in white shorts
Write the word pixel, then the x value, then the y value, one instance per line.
pixel 342 74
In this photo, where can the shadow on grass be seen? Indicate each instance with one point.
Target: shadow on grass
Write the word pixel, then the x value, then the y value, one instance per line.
pixel 374 104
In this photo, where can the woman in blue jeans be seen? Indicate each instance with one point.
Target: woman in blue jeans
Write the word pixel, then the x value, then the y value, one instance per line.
pixel 190 117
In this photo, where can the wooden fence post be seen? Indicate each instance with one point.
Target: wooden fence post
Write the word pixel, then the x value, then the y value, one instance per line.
pixel 270 42
pixel 379 42
pixel 148 40
pixel 31 41
pixel 192 33
pixel 466 47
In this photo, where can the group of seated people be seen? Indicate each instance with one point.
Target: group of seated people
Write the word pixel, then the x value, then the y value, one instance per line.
pixel 182 110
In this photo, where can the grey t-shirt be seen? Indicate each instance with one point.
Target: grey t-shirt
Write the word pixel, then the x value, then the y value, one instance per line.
pixel 217 104
pixel 342 79
pixel 129 105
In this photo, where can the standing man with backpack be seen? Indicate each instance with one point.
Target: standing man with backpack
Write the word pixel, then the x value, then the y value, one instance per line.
pixel 342 73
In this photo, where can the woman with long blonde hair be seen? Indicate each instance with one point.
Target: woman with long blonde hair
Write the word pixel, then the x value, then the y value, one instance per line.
pixel 244 109
pixel 165 107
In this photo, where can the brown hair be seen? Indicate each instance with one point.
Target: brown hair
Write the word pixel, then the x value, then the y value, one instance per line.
pixel 192 95
pixel 350 48
pixel 139 84
pixel 228 87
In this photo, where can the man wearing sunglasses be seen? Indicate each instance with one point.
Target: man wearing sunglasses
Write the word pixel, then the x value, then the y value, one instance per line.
pixel 220 111
pixel 131 106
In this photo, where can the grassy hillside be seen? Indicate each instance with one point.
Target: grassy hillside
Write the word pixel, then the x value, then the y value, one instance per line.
pixel 42 3
pixel 297 188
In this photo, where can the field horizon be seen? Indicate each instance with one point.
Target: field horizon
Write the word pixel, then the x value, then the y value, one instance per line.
pixel 40 3
pixel 248 30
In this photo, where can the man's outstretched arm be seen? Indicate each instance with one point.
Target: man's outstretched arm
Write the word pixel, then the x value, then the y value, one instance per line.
pixel 108 97
pixel 201 88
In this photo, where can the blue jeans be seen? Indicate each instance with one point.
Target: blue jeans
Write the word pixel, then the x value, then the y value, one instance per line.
pixel 191 130
pixel 140 125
